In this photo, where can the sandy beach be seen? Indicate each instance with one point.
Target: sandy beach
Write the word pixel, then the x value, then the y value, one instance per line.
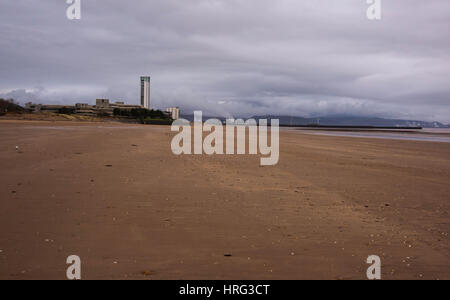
pixel 116 196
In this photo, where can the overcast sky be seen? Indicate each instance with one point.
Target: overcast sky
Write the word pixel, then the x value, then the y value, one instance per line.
pixel 233 57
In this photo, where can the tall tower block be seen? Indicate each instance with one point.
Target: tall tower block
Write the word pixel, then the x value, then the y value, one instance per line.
pixel 145 91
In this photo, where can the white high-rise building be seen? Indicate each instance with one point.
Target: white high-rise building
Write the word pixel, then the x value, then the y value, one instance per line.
pixel 145 91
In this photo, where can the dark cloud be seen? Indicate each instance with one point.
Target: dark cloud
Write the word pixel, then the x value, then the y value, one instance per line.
pixel 233 57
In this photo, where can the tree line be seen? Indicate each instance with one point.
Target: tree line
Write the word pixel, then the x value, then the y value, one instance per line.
pixel 8 105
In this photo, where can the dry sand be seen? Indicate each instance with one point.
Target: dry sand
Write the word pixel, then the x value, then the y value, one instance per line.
pixel 116 196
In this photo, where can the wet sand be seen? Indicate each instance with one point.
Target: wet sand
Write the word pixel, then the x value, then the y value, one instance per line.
pixel 116 196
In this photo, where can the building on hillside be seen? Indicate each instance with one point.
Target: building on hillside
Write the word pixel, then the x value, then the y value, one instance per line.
pixel 102 107
pixel 85 109
pixel 102 103
pixel 44 108
pixel 173 112
pixel 122 105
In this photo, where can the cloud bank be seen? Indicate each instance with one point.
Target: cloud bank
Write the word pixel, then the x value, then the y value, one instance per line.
pixel 233 57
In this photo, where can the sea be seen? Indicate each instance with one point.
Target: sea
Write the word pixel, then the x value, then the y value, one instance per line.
pixel 441 135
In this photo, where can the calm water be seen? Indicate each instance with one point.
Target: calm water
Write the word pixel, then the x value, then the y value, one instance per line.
pixel 426 135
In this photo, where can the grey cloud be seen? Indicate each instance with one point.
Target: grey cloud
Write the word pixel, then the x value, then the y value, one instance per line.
pixel 234 57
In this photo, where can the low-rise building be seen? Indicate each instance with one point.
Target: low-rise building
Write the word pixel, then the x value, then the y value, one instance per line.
pixel 173 112
pixel 84 109
pixel 44 108
pixel 102 104
pixel 122 105
pixel 101 107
